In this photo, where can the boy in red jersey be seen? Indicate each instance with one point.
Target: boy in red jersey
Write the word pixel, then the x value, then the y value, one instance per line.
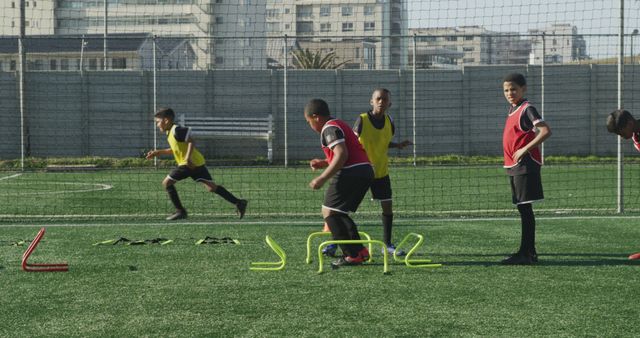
pixel 350 173
pixel 622 123
pixel 524 131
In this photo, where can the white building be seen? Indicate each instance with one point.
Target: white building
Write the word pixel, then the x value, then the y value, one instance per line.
pixel 378 23
pixel 238 25
pixel 562 44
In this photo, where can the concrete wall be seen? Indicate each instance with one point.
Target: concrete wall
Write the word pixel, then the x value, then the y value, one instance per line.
pixel 458 111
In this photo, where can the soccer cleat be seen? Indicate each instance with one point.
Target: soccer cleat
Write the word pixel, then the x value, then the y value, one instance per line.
pixel 347 261
pixel 518 259
pixel 330 250
pixel 180 214
pixel 635 256
pixel 241 207
pixel 391 249
pixel 364 254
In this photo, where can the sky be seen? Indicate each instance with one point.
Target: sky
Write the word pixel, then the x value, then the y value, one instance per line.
pixel 589 16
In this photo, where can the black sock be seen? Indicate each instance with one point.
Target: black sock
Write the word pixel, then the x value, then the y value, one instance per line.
pixel 387 225
pixel 224 193
pixel 173 196
pixel 528 239
pixel 342 227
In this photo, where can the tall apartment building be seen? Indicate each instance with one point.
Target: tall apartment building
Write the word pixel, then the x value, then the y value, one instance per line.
pixel 562 44
pixel 376 27
pixel 39 18
pixel 224 33
pixel 468 45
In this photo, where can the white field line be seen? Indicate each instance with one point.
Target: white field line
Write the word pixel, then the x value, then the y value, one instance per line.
pixel 10 177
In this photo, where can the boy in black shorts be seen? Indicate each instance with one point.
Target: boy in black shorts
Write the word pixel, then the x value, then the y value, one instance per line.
pixel 191 163
pixel 524 131
pixel 348 168
pixel 622 123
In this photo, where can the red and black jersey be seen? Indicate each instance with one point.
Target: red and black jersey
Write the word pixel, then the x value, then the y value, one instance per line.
pixel 519 131
pixel 337 131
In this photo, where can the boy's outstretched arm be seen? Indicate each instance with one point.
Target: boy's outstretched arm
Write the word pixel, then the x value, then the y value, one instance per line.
pixel 543 133
pixel 318 163
pixel 153 153
pixel 340 155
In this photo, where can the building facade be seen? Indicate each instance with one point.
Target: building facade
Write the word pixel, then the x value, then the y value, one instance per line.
pixel 224 33
pixel 375 23
pixel 562 44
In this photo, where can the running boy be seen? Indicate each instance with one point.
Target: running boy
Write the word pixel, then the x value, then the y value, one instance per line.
pixel 191 163
pixel 376 129
pixel 348 167
pixel 523 159
pixel 622 123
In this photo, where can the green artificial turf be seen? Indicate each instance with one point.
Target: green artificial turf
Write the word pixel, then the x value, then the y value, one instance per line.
pixel 584 284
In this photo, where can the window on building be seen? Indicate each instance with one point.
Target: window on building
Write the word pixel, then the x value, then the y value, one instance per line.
pixel 93 64
pixel 304 11
pixel 469 60
pixel 368 10
pixel 273 13
pixel 13 23
pixel 287 26
pixel 53 64
pixel 26 4
pixel 12 65
pixel 64 64
pixel 219 60
pixel 468 37
pixel 347 26
pixel 287 10
pixel 357 52
pixel 468 49
pixel 35 4
pixel 347 11
pixel 273 26
pixel 369 26
pixel 325 27
pixel 119 63
pixel 304 27
pixel 13 4
pixel 555 42
pixel 219 20
pixel 325 11
pixel 452 38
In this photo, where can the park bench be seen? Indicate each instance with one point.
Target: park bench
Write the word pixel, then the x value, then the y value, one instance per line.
pixel 232 127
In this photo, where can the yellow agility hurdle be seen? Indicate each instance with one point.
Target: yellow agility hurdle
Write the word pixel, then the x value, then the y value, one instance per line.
pixel 271 266
pixel 322 233
pixel 413 263
pixel 370 242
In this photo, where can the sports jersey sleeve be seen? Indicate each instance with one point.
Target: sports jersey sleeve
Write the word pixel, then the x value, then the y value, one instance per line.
pixel 331 136
pixel 357 127
pixel 636 141
pixel 530 118
pixel 182 134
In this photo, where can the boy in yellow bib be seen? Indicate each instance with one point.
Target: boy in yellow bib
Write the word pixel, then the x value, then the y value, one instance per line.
pixel 375 130
pixel 190 162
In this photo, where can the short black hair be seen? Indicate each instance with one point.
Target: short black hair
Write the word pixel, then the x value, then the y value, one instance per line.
pixel 317 107
pixel 516 78
pixel 165 113
pixel 617 120
pixel 381 89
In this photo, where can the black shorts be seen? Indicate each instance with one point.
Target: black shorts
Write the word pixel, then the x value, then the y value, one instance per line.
pixel 345 193
pixel 197 174
pixel 526 188
pixel 381 189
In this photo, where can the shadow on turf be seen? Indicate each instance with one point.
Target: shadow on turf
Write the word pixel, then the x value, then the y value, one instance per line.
pixel 552 259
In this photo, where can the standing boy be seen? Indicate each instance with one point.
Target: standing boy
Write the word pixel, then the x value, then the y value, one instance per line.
pixel 375 130
pixel 523 159
pixel 191 163
pixel 622 123
pixel 348 167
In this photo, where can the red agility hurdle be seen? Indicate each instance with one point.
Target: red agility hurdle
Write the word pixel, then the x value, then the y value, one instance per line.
pixel 40 267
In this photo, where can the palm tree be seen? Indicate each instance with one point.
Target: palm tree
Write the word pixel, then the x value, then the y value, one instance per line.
pixel 306 59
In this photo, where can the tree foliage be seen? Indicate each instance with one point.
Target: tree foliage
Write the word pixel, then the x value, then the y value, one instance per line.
pixel 306 59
